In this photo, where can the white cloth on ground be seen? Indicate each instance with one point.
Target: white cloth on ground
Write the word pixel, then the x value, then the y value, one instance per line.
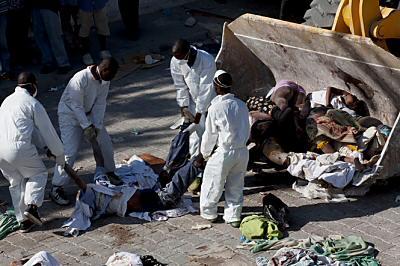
pixel 103 197
pixel 324 167
pixel 227 126
pixel 42 258
pixel 22 118
pixel 124 259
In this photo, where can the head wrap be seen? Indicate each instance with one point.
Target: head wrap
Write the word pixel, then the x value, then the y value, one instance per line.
pixel 219 81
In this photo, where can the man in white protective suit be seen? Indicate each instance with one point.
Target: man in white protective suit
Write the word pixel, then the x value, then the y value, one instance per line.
pixel 192 71
pixel 227 129
pixel 26 127
pixel 81 114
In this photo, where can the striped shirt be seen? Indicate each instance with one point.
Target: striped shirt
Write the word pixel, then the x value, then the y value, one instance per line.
pixel 4 5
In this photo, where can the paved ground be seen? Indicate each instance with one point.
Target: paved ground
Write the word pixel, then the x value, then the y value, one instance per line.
pixel 144 101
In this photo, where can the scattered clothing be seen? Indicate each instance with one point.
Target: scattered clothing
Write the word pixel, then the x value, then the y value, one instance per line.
pixel 259 227
pixel 325 167
pixel 124 259
pixel 298 257
pixel 8 223
pixel 42 258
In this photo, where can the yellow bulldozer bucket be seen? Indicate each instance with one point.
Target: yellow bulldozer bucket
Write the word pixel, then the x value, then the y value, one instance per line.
pixel 259 51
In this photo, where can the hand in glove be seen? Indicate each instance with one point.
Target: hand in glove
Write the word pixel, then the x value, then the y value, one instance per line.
pixel 60 160
pixel 191 128
pixel 90 132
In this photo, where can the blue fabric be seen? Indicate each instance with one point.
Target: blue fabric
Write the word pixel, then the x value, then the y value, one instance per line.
pixel 179 152
pixel 172 193
pixel 48 36
pixel 92 5
pixel 4 54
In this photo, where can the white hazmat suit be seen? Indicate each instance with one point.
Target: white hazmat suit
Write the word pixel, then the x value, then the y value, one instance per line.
pixel 21 118
pixel 194 89
pixel 227 127
pixel 83 103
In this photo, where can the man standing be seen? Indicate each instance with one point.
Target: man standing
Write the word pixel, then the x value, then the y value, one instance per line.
pixel 228 128
pixel 48 36
pixel 93 13
pixel 81 114
pixel 192 71
pixel 26 126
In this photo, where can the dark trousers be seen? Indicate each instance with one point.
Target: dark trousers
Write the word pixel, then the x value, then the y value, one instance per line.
pixel 19 44
pixel 129 10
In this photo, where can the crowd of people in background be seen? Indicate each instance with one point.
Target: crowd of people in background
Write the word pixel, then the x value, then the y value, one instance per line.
pixel 60 28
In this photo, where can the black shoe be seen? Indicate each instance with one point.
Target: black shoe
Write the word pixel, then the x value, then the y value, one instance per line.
pixel 64 70
pixel 46 69
pixel 57 195
pixel 33 215
pixel 26 226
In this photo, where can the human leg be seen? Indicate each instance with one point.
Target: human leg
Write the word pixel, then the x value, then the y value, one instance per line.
pixel 39 31
pixel 107 150
pixel 179 184
pixel 234 186
pixel 4 53
pixel 52 24
pixel 103 31
pixel 214 178
pixel 86 22
pixel 71 136
pixel 16 188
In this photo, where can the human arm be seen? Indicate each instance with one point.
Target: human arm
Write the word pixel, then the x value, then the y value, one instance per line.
pixel 331 92
pixel 74 176
pixel 182 90
pixel 210 135
pixel 99 107
pixel 206 89
pixel 47 132
pixel 76 88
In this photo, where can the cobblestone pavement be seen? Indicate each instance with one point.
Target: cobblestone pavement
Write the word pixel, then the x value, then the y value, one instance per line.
pixel 144 101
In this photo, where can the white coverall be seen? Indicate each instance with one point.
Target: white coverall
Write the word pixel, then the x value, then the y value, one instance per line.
pixel 195 89
pixel 83 103
pixel 228 127
pixel 21 117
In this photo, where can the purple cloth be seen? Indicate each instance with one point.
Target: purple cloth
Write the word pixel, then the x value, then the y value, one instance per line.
pixel 290 84
pixel 92 5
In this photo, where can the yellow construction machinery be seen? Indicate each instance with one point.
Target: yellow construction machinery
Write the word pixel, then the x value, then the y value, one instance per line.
pixel 354 56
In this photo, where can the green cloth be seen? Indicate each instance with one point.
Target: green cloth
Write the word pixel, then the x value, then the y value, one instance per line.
pixel 259 227
pixel 8 223
pixel 343 248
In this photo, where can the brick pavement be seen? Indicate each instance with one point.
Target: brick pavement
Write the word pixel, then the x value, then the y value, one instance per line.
pixel 144 101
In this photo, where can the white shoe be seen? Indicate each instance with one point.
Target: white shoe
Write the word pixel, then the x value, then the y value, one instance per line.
pixel 58 196
pixel 105 54
pixel 87 59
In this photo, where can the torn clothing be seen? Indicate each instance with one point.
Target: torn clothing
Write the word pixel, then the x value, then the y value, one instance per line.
pixel 194 84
